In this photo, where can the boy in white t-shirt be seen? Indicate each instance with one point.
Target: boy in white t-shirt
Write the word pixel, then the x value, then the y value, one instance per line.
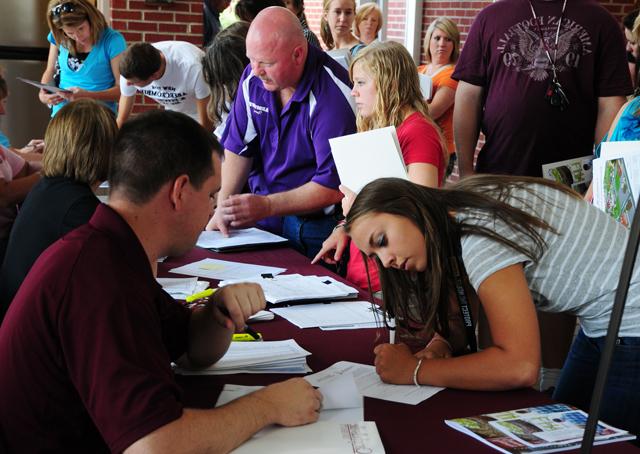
pixel 170 73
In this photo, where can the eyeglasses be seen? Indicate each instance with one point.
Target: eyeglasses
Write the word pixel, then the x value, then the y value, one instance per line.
pixel 67 7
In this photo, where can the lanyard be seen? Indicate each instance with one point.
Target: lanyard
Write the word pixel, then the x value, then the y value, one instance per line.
pixel 544 44
pixel 457 269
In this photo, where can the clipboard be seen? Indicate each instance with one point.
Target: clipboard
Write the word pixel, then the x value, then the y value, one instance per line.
pixel 45 87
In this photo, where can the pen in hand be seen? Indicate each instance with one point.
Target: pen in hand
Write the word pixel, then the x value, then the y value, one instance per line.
pixel 206 294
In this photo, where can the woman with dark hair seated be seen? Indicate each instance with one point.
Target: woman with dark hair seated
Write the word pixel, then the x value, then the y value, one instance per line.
pixel 76 159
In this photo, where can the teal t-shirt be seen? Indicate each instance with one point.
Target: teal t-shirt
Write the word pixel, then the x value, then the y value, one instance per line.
pixel 95 74
pixel 4 140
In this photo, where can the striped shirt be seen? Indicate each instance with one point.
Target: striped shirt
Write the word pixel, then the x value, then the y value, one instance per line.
pixel 579 270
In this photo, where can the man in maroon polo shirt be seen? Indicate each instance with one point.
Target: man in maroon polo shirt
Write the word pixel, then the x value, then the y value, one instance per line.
pixel 86 345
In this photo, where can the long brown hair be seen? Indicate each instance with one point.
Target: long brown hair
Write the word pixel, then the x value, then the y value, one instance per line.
pixel 431 211
pixel 325 30
pixel 397 86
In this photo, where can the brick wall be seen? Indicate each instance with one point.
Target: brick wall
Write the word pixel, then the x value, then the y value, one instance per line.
pixel 139 21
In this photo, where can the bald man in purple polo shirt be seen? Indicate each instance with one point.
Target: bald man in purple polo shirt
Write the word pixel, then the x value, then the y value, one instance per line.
pixel 291 100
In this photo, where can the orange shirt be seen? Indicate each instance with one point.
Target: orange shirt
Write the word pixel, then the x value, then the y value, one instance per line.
pixel 442 78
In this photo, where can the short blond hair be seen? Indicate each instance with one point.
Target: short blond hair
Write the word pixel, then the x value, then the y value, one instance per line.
pixel 364 11
pixel 397 85
pixel 82 11
pixel 450 28
pixel 78 142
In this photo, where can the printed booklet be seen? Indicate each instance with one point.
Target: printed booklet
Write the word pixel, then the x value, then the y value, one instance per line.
pixel 547 428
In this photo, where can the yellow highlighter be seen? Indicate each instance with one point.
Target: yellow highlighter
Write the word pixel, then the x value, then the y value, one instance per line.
pixel 246 337
pixel 200 295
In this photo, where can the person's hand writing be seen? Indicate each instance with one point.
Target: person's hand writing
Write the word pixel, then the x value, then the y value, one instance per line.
pixel 241 301
pixel 243 210
pixel 293 402
pixel 34 146
pixel 333 247
pixel 347 200
pixel 395 363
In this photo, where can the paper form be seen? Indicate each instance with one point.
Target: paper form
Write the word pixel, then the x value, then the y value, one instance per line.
pixel 338 315
pixel 236 238
pixel 296 287
pixel 180 288
pixel 370 385
pixel 379 148
pixel 223 269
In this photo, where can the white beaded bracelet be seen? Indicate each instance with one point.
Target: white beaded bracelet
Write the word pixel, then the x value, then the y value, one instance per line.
pixel 415 373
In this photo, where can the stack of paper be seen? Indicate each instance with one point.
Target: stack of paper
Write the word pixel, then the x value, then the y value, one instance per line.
pixel 237 239
pixel 180 288
pixel 223 269
pixel 547 428
pixel 276 357
pixel 379 148
pixel 334 316
pixel 295 287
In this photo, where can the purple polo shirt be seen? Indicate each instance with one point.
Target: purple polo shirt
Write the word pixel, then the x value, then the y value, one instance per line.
pixel 290 147
pixel 86 346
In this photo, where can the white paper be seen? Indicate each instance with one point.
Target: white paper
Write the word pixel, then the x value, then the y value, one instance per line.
pixel 46 87
pixel 353 414
pixel 378 148
pixel 258 357
pixel 261 316
pixel 342 56
pixel 180 288
pixel 426 86
pixel 370 385
pixel 236 238
pixel 223 269
pixel 323 437
pixel 338 315
pixel 295 287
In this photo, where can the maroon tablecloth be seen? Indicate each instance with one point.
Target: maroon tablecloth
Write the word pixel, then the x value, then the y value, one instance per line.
pixel 403 428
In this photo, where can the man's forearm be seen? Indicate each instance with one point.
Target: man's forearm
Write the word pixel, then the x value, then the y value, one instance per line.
pixel 466 124
pixel 208 339
pixel 308 198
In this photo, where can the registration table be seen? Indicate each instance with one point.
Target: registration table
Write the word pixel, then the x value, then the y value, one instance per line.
pixel 403 428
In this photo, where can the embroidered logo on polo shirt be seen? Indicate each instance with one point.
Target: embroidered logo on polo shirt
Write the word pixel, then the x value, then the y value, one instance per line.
pixel 258 109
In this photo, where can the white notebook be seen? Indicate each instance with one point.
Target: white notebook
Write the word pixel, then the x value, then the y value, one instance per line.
pixel 366 156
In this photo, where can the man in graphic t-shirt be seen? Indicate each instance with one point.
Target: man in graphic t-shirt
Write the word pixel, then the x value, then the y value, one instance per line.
pixel 170 73
pixel 507 87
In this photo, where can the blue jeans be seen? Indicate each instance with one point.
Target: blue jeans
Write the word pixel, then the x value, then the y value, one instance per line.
pixel 307 234
pixel 620 405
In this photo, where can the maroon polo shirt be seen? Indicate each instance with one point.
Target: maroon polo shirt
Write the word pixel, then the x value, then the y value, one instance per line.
pixel 86 345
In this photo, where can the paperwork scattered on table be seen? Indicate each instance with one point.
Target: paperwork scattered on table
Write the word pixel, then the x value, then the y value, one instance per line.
pixel 369 384
pixel 379 148
pixel 237 239
pixel 274 357
pixel 296 287
pixel 546 428
pixel 323 437
pixel 334 316
pixel 329 412
pixel 223 269
pixel 181 287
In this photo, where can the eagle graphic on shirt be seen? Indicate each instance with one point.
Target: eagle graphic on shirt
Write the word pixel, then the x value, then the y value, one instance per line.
pixel 524 51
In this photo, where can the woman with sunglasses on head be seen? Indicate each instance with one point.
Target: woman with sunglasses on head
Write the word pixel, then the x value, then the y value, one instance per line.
pixel 85 50
pixel 522 244
pixel 387 93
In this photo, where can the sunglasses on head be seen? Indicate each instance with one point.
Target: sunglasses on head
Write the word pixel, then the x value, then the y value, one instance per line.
pixel 67 7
